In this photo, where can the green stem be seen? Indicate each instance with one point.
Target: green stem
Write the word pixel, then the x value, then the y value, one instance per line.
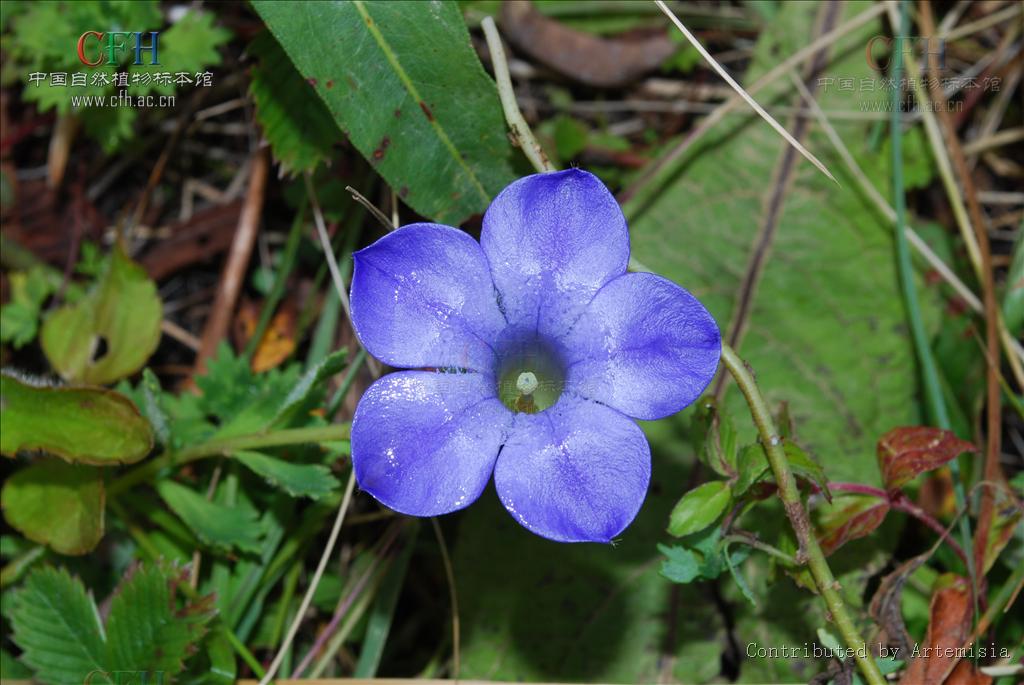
pixel 224 446
pixel 809 551
pixel 929 369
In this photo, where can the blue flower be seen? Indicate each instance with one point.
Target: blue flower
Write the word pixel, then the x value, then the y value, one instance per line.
pixel 534 348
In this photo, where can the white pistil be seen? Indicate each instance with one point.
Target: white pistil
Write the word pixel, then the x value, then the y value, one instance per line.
pixel 527 383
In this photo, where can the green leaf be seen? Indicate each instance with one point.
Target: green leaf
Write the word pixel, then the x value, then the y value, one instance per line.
pixel 715 438
pixel 146 631
pixel 699 508
pixel 152 395
pixel 58 628
pixel 12 668
pixel 294 120
pixel 56 504
pixel 89 425
pixel 681 564
pixel 298 480
pixel 805 467
pixel 217 525
pixel 19 318
pixel 596 613
pixel 823 324
pixel 310 384
pixel 402 81
pixel 122 314
pixel 57 625
pixel 752 467
pixel 190 45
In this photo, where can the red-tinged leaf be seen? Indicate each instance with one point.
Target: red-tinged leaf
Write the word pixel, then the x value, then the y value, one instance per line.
pixel 856 518
pixel 949 624
pixel 903 453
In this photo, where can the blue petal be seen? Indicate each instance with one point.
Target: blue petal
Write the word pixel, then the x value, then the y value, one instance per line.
pixel 422 296
pixel 644 346
pixel 424 443
pixel 577 472
pixel 552 240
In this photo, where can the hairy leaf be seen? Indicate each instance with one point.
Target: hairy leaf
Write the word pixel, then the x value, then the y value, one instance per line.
pixel 56 504
pixel 112 332
pixel 299 480
pixel 89 425
pixel 404 84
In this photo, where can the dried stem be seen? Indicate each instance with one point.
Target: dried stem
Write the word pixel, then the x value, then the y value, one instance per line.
pixel 328 549
pixel 516 123
pixel 809 551
pixel 238 261
pixel 993 401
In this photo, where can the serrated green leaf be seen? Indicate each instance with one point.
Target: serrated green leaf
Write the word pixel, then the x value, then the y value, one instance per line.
pixel 56 504
pixel 298 480
pixel 824 313
pixel 219 526
pixel 699 508
pixel 12 668
pixel 19 318
pixel 56 625
pixel 402 81
pixel 122 313
pixel 294 120
pixel 146 631
pixel 89 425
pixel 681 564
pixel 311 382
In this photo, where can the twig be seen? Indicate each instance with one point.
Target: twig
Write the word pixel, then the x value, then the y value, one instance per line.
pixel 900 502
pixel 809 551
pixel 238 261
pixel 173 330
pixel 520 129
pixel 453 596
pixel 345 603
pixel 744 94
pixel 372 208
pixel 325 243
pixel 328 549
pixel 993 472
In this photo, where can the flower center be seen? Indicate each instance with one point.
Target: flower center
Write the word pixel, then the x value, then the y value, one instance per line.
pixel 531 375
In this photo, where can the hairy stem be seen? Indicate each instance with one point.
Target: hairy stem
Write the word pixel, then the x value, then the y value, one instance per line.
pixel 809 550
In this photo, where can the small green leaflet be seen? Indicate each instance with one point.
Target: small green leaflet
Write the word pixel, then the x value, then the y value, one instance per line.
pixel 298 480
pixel 217 525
pixel 57 625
